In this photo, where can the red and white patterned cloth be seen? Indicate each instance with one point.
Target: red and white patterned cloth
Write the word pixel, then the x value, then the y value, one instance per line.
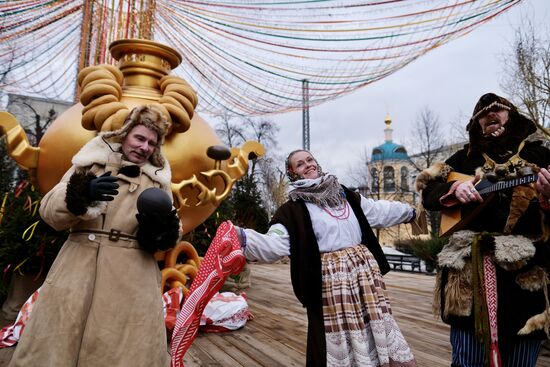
pixel 171 301
pixel 224 312
pixel 10 334
pixel 490 287
pixel 223 258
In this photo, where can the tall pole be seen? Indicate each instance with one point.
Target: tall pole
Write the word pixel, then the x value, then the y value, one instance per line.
pixel 85 34
pixel 305 114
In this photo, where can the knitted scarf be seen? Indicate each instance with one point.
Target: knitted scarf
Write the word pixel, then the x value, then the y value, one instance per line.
pixel 324 191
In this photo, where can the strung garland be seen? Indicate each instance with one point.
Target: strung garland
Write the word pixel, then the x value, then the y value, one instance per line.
pixel 27 243
pixel 248 57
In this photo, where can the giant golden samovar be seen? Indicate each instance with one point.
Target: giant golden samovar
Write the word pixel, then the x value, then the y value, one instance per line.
pixel 203 172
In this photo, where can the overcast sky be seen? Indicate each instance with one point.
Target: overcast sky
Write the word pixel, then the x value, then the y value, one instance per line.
pixel 449 80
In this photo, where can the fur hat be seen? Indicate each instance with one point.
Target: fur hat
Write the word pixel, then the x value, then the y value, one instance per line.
pixel 518 126
pixel 150 117
pixel 489 102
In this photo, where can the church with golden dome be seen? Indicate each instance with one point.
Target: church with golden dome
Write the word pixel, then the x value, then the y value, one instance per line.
pixel 391 177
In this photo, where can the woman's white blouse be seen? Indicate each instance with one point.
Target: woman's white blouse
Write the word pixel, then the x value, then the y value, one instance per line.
pixel 331 232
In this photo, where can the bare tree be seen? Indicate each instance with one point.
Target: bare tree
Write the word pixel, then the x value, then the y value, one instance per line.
pixel 359 173
pixel 274 184
pixel 430 143
pixel 37 127
pixel 8 169
pixel 5 69
pixel 428 139
pixel 269 180
pixel 34 119
pixel 230 130
pixel 263 131
pixel 458 129
pixel 266 170
pixel 527 76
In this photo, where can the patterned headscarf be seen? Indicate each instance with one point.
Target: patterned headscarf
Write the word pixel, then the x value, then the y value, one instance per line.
pixel 324 191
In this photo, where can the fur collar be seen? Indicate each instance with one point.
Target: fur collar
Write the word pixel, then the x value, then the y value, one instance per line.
pixel 97 151
pixel 456 250
pixel 438 170
pixel 510 251
pixel 513 249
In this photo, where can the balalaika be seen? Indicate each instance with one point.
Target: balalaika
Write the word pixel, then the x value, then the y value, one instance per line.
pixel 452 219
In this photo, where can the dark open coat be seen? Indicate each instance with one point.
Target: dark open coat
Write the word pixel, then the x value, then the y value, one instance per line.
pixel 305 266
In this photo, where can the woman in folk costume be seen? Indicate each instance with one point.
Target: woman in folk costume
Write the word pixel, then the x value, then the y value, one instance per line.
pixel 493 274
pixel 100 304
pixel 336 266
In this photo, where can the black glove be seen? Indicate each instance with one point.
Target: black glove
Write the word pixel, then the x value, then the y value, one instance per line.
pixel 102 188
pixel 158 232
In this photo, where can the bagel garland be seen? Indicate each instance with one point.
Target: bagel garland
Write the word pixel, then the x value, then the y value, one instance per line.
pixel 180 274
pixel 171 275
pixel 180 100
pixel 101 92
pixel 182 247
pixel 187 269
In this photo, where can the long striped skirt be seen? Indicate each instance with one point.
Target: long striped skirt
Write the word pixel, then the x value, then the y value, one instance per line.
pixel 359 326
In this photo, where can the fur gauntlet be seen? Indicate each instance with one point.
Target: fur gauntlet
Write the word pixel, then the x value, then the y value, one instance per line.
pixel 77 187
pixel 158 232
pixel 438 171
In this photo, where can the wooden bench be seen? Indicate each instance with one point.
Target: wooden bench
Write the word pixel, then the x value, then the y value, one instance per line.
pixel 397 262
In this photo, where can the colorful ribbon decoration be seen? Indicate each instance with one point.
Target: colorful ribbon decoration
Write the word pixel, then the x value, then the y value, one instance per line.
pixel 247 57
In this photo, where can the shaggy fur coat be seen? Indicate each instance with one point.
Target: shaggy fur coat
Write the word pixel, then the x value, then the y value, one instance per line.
pixel 516 223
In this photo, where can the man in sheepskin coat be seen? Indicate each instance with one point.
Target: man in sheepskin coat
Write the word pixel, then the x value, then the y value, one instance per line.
pixel 493 274
pixel 100 304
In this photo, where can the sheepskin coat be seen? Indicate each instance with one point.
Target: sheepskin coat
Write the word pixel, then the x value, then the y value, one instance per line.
pixel 521 257
pixel 100 304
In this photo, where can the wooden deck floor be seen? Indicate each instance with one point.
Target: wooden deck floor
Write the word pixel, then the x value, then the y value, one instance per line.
pixel 277 335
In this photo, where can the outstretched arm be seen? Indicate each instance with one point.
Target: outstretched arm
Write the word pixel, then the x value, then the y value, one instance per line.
pixel 268 247
pixel 385 213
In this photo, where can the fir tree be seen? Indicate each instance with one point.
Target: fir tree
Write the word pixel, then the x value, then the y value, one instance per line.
pixel 27 244
pixel 247 205
pixel 243 207
pixel 7 168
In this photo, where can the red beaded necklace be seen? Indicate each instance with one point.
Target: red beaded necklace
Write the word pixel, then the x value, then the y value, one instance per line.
pixel 339 214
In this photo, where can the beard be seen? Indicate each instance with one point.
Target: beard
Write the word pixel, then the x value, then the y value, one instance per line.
pixel 495 129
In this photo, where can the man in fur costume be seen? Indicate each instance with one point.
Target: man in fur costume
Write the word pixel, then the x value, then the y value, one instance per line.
pixel 100 303
pixel 493 274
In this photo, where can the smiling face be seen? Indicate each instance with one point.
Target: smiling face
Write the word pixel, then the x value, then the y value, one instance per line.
pixel 139 144
pixel 304 165
pixel 492 123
